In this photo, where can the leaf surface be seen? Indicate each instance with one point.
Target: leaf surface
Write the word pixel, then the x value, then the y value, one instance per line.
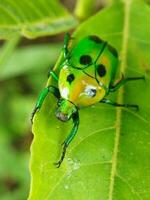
pixel 109 157
pixel 33 18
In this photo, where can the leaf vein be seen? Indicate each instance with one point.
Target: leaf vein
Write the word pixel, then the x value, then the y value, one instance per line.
pixel 83 139
pixel 129 185
pixel 127 5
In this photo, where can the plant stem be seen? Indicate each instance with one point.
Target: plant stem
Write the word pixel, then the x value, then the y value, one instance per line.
pixel 84 8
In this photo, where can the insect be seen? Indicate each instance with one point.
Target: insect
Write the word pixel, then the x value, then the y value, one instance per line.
pixel 86 76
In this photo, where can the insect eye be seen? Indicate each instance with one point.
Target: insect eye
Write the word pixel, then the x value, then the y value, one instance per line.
pixel 70 78
pixel 90 92
pixel 101 70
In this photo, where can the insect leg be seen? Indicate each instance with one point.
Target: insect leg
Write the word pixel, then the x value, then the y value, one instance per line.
pixel 66 42
pixel 107 101
pixel 53 74
pixel 42 96
pixel 70 137
pixel 123 80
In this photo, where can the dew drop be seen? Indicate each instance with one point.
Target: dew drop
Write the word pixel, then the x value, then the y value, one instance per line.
pixel 66 187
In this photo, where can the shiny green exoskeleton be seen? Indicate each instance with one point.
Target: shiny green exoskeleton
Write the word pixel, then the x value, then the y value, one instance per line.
pixel 86 77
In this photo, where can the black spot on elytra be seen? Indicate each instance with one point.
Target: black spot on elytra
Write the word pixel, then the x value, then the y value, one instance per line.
pixel 85 59
pixel 95 38
pixel 101 70
pixel 113 50
pixel 70 78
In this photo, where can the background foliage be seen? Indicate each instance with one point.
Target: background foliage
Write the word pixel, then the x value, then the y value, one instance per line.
pixel 90 162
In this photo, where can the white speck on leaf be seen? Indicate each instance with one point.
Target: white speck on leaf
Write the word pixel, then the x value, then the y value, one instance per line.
pixel 66 187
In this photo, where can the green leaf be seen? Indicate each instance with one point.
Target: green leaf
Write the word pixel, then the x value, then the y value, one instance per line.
pixel 33 18
pixel 109 157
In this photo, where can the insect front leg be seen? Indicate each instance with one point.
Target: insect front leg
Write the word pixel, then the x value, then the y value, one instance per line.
pixel 42 96
pixel 70 137
pixel 107 101
pixel 66 42
pixel 53 74
pixel 120 83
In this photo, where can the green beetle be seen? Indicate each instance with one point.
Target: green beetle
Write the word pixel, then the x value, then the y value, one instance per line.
pixel 86 77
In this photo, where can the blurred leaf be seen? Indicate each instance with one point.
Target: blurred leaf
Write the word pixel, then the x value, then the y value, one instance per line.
pixel 109 158
pixel 7 50
pixel 33 18
pixel 30 59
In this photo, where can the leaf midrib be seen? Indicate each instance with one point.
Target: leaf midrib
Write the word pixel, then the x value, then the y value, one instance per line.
pixel 45 20
pixel 127 5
